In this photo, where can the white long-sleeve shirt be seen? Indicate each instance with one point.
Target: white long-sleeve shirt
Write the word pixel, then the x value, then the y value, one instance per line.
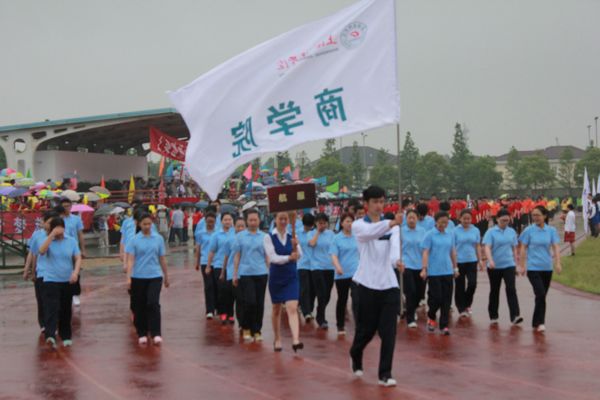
pixel 379 249
pixel 570 222
pixel 270 248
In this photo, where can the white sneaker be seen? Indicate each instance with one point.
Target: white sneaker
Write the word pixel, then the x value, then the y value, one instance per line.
pixel 356 372
pixel 143 341
pixel 541 328
pixel 76 301
pixel 389 382
pixel 157 340
pixel 209 315
pixel 494 322
pixel 464 314
pixel 517 320
pixel 412 325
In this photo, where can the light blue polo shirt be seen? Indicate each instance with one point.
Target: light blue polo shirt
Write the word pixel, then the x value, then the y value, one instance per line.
pixel 346 249
pixel 320 253
pixel 252 253
pixel 306 261
pixel 539 243
pixel 231 255
pixel 219 245
pixel 58 261
pixel 73 224
pixel 466 243
pixel 501 242
pixel 440 246
pixel 147 251
pixel 37 238
pixel 203 239
pixel 126 229
pixel 412 255
pixel 427 223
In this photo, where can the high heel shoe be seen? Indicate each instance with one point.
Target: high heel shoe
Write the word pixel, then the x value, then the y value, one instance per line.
pixel 277 349
pixel 297 347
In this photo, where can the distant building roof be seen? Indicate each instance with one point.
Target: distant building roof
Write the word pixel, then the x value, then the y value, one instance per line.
pixel 551 153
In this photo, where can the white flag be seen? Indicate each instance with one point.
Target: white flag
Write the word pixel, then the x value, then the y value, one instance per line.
pixel 584 200
pixel 326 79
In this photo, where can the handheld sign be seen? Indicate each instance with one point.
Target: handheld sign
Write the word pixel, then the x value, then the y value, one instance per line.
pixel 292 197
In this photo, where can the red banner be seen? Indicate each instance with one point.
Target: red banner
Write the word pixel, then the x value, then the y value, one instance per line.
pixel 19 225
pixel 166 145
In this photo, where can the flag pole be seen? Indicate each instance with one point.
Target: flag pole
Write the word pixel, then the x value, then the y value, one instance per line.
pixel 400 280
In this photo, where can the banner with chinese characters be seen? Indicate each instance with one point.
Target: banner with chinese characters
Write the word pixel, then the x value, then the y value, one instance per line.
pixel 19 225
pixel 326 79
pixel 292 197
pixel 166 145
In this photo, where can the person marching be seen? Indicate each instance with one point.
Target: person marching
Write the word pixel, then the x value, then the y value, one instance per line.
pixel 218 248
pixel 322 274
pixel 228 295
pixel 61 258
pixel 412 261
pixel 378 294
pixel 469 258
pixel 305 266
pixel 500 244
pixel 250 273
pixel 570 227
pixel 203 238
pixel 283 251
pixel 34 269
pixel 74 229
pixel 439 268
pixel 344 255
pixel 539 248
pixel 146 273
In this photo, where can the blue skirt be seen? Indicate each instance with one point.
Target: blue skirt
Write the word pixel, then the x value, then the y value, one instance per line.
pixel 283 284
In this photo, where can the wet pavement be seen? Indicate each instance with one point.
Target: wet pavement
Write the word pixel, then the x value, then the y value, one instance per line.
pixel 202 360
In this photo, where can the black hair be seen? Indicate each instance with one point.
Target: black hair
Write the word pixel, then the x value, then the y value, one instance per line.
pixel 308 220
pixel 544 212
pixel 441 214
pixel 239 219
pixel 411 211
pixel 321 217
pixel 445 206
pixel 344 216
pixel 422 209
pixel 503 212
pixel 465 212
pixel 210 215
pixel 59 210
pixel 142 216
pixel 56 222
pixel 223 215
pixel 570 206
pixel 251 211
pixel 405 203
pixel 49 214
pixel 354 203
pixel 64 200
pixel 373 192
pixel 211 209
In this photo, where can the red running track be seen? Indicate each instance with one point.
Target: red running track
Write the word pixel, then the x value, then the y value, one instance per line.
pixel 203 360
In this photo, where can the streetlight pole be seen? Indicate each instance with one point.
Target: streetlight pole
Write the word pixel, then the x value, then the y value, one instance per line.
pixel 596 123
pixel 364 136
pixel 589 136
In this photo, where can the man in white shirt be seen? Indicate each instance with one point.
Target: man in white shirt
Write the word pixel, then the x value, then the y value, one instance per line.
pixel 378 294
pixel 570 228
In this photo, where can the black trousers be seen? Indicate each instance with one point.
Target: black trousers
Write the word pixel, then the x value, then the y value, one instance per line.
pixel 540 282
pixel 252 295
pixel 466 283
pixel 76 287
pixel 376 312
pixel 413 286
pixel 57 299
pixel 323 283
pixel 226 298
pixel 211 291
pixel 307 291
pixel 145 294
pixel 39 290
pixel 439 297
pixel 496 276
pixel 344 287
pixel 239 309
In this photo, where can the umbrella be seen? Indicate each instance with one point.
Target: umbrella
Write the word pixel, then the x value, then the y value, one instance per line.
pixel 81 208
pixel 71 195
pixel 161 207
pixel 100 190
pixel 5 190
pixel 92 196
pixel 230 208
pixel 117 210
pixel 38 186
pixel 326 195
pixel 122 204
pixel 248 205
pixel 25 182
pixel 15 175
pixel 7 171
pixel 46 194
pixel 202 204
pixel 186 204
pixel 104 210
pixel 17 192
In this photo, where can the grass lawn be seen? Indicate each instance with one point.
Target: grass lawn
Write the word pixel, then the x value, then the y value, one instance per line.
pixel 582 271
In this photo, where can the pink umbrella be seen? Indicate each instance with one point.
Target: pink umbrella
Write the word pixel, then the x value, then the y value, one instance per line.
pixel 81 208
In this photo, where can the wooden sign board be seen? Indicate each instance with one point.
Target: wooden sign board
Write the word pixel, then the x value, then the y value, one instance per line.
pixel 292 197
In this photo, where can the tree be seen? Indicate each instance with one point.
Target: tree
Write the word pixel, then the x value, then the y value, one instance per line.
pixel 333 169
pixel 384 173
pixel 356 167
pixel 283 160
pixel 432 174
pixel 566 170
pixel 2 159
pixel 409 158
pixel 329 149
pixel 482 177
pixel 515 171
pixel 590 161
pixel 460 158
pixel 303 162
pixel 537 171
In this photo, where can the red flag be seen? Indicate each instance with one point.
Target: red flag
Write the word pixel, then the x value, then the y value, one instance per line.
pixel 166 145
pixel 74 181
pixel 287 170
pixel 248 172
pixel 102 183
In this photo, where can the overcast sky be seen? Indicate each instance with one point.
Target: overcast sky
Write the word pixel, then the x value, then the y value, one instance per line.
pixel 517 72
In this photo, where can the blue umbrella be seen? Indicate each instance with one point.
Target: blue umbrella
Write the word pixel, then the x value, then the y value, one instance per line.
pixel 5 190
pixel 202 204
pixel 18 192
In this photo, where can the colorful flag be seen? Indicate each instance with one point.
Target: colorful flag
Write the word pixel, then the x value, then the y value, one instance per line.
pixel 166 145
pixel 333 188
pixel 131 190
pixel 248 172
pixel 326 79
pixel 161 166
